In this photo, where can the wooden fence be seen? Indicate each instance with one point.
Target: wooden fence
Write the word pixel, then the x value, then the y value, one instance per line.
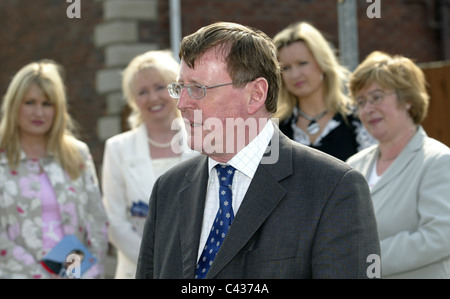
pixel 437 123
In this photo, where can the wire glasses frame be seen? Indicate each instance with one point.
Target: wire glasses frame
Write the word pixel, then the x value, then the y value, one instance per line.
pixel 374 98
pixel 196 91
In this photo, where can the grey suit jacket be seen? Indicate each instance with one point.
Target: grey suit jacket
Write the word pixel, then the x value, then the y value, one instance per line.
pixel 412 205
pixel 307 216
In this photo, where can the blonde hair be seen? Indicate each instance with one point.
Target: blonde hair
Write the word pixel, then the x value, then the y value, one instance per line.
pixel 163 62
pixel 47 75
pixel 335 75
pixel 394 72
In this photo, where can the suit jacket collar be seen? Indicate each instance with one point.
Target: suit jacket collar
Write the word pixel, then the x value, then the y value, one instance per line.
pixel 263 195
pixel 136 157
pixel 191 205
pixel 406 155
pixel 138 153
pixel 142 146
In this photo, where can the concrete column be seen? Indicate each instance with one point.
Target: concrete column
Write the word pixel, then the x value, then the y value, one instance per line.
pixel 118 36
pixel 348 33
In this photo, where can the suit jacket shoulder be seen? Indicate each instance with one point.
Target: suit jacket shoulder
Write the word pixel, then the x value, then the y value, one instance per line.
pixel 307 215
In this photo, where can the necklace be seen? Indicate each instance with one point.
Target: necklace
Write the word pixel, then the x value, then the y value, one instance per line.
pixel 313 127
pixel 160 145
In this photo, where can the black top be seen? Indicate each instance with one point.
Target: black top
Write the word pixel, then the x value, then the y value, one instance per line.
pixel 342 141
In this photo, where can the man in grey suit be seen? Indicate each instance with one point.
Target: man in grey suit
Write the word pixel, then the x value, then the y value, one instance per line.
pixel 298 213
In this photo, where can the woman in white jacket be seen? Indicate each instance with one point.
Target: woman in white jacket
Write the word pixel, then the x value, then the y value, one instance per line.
pixel 133 160
pixel 407 171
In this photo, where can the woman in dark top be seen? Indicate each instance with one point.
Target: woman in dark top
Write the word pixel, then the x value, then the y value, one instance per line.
pixel 313 108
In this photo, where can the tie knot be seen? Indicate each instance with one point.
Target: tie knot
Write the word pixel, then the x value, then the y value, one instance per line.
pixel 225 173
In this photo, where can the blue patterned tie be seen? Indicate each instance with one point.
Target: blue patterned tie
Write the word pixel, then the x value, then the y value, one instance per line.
pixel 222 222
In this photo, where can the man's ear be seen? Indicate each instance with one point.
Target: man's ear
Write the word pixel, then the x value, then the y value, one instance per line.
pixel 258 95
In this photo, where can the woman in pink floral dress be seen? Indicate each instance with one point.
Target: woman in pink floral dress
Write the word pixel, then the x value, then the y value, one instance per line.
pixel 48 183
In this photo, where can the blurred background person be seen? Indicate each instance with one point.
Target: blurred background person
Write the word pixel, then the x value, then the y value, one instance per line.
pixel 133 160
pixel 48 182
pixel 408 172
pixel 313 108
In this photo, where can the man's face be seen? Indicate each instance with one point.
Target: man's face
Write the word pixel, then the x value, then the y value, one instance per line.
pixel 206 119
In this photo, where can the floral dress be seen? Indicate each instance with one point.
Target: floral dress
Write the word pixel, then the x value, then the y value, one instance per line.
pixel 21 225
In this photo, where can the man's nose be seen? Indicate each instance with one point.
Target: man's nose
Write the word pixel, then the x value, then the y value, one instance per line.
pixel 185 101
pixel 39 110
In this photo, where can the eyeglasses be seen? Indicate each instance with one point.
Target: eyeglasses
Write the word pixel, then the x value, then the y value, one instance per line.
pixel 196 91
pixel 375 98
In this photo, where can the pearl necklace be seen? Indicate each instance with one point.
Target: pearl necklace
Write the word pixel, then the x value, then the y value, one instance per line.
pixel 313 127
pixel 157 144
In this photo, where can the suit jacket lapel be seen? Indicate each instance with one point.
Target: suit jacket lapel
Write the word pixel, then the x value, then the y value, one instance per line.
pixel 263 195
pixel 367 162
pixel 137 153
pixel 402 160
pixel 192 203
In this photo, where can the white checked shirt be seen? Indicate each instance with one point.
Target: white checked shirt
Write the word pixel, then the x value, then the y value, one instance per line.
pixel 245 162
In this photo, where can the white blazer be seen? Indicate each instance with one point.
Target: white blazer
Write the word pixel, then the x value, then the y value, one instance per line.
pixel 127 179
pixel 412 207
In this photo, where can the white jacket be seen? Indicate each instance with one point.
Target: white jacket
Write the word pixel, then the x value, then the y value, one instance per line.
pixel 412 207
pixel 127 178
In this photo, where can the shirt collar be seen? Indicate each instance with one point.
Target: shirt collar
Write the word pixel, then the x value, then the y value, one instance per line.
pixel 248 159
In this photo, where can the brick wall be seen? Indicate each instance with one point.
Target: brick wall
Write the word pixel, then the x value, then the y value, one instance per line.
pixel 402 27
pixel 32 30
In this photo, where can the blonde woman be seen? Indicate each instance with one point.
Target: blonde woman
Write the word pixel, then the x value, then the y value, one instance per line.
pixel 408 172
pixel 133 160
pixel 313 108
pixel 48 182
